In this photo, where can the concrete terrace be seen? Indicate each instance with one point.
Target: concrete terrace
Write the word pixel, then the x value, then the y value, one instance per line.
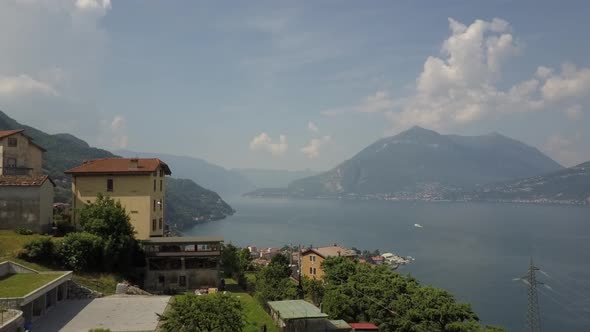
pixel 129 313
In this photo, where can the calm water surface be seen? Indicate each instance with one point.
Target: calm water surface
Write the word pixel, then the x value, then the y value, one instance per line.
pixel 473 250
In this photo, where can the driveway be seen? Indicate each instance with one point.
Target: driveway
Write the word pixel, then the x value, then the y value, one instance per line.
pixel 129 313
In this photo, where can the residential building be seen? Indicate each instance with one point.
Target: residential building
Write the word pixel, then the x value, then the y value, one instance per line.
pixel 26 202
pixel 302 316
pixel 312 258
pixel 139 184
pixel 19 155
pixel 182 263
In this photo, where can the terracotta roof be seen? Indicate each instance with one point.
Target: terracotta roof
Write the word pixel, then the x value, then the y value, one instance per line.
pixel 119 165
pixel 24 180
pixel 4 133
pixel 331 251
pixel 364 326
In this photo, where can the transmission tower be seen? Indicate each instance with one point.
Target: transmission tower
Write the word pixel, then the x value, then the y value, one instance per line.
pixel 533 319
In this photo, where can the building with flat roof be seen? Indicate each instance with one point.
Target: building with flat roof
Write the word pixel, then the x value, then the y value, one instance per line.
pixel 182 263
pixel 139 184
pixel 30 291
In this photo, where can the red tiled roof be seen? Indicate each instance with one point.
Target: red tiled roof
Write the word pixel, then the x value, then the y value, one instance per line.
pixel 4 133
pixel 24 180
pixel 363 326
pixel 119 165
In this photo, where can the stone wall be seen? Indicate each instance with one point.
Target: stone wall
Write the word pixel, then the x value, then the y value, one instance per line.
pixel 14 323
pixel 79 292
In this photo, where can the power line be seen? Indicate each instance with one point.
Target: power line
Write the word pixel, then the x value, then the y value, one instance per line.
pixel 565 307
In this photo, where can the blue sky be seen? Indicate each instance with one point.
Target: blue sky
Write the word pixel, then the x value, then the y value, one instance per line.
pixel 293 85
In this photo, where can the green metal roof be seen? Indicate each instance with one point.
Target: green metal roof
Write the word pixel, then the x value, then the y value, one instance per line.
pixel 296 309
pixel 340 324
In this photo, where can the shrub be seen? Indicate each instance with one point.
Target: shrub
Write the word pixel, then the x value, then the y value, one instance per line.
pixel 81 251
pixel 40 250
pixel 23 231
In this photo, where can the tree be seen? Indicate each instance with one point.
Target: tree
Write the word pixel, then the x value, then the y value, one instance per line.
pixel 40 250
pixel 313 290
pixel 214 312
pixel 81 251
pixel 359 292
pixel 107 219
pixel 230 261
pixel 273 282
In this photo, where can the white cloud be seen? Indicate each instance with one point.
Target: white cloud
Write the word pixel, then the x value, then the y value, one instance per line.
pixel 312 127
pixel 263 142
pixel 118 132
pixel 312 149
pixel 21 85
pixel 570 83
pixel 574 112
pixel 461 85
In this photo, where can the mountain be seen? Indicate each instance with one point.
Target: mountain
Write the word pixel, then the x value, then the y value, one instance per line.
pixel 64 151
pixel 567 186
pixel 272 178
pixel 217 178
pixel 423 164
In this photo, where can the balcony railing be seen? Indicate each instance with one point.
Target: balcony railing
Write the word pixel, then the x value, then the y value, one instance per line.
pixel 16 171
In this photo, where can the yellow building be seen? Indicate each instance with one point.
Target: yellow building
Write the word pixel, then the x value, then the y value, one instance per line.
pixel 19 155
pixel 312 258
pixel 139 184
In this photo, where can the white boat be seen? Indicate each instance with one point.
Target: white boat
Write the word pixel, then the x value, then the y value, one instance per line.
pixel 418 226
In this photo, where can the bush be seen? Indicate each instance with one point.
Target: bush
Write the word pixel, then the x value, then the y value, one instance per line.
pixel 23 231
pixel 40 250
pixel 63 225
pixel 81 251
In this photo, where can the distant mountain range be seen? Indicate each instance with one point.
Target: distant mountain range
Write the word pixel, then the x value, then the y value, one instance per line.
pixel 567 186
pixel 189 203
pixel 217 178
pixel 265 178
pixel 421 164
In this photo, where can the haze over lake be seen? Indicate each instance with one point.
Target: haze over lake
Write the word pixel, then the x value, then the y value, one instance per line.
pixel 473 250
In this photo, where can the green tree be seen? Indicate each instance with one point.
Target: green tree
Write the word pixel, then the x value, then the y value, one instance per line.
pixel 273 282
pixel 214 312
pixel 81 251
pixel 359 292
pixel 107 219
pixel 313 290
pixel 230 261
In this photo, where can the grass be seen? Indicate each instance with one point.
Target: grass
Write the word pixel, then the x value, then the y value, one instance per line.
pixel 21 284
pixel 11 243
pixel 255 316
pixel 105 283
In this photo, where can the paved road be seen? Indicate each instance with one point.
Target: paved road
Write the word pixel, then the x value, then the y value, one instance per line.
pixel 117 313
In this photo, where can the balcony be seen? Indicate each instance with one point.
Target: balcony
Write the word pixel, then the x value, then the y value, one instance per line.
pixel 17 171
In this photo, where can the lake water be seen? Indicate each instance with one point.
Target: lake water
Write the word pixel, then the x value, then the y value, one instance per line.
pixel 472 250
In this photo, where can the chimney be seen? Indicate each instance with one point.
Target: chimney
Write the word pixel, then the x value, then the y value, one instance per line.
pixel 338 253
pixel 134 163
pixel 84 162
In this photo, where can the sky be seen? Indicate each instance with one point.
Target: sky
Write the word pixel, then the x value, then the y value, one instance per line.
pixel 300 84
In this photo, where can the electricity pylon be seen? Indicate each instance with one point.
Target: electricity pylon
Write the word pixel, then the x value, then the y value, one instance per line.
pixel 533 319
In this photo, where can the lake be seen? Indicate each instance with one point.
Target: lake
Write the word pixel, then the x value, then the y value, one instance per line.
pixel 474 250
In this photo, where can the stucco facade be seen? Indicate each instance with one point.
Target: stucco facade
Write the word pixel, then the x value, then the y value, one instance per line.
pixel 19 155
pixel 141 193
pixel 312 258
pixel 26 202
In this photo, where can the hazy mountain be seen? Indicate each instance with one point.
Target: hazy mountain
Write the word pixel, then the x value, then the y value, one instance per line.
pixel 65 151
pixel 271 178
pixel 567 186
pixel 425 163
pixel 212 176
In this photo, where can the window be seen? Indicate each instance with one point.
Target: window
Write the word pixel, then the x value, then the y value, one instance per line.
pixel 314 271
pixel 10 163
pixel 12 142
pixel 161 172
pixel 154 205
pixel 110 185
pixel 161 279
pixel 311 270
pixel 312 258
pixel 160 185
pixel 154 185
pixel 160 223
pixel 153 225
pixel 182 281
